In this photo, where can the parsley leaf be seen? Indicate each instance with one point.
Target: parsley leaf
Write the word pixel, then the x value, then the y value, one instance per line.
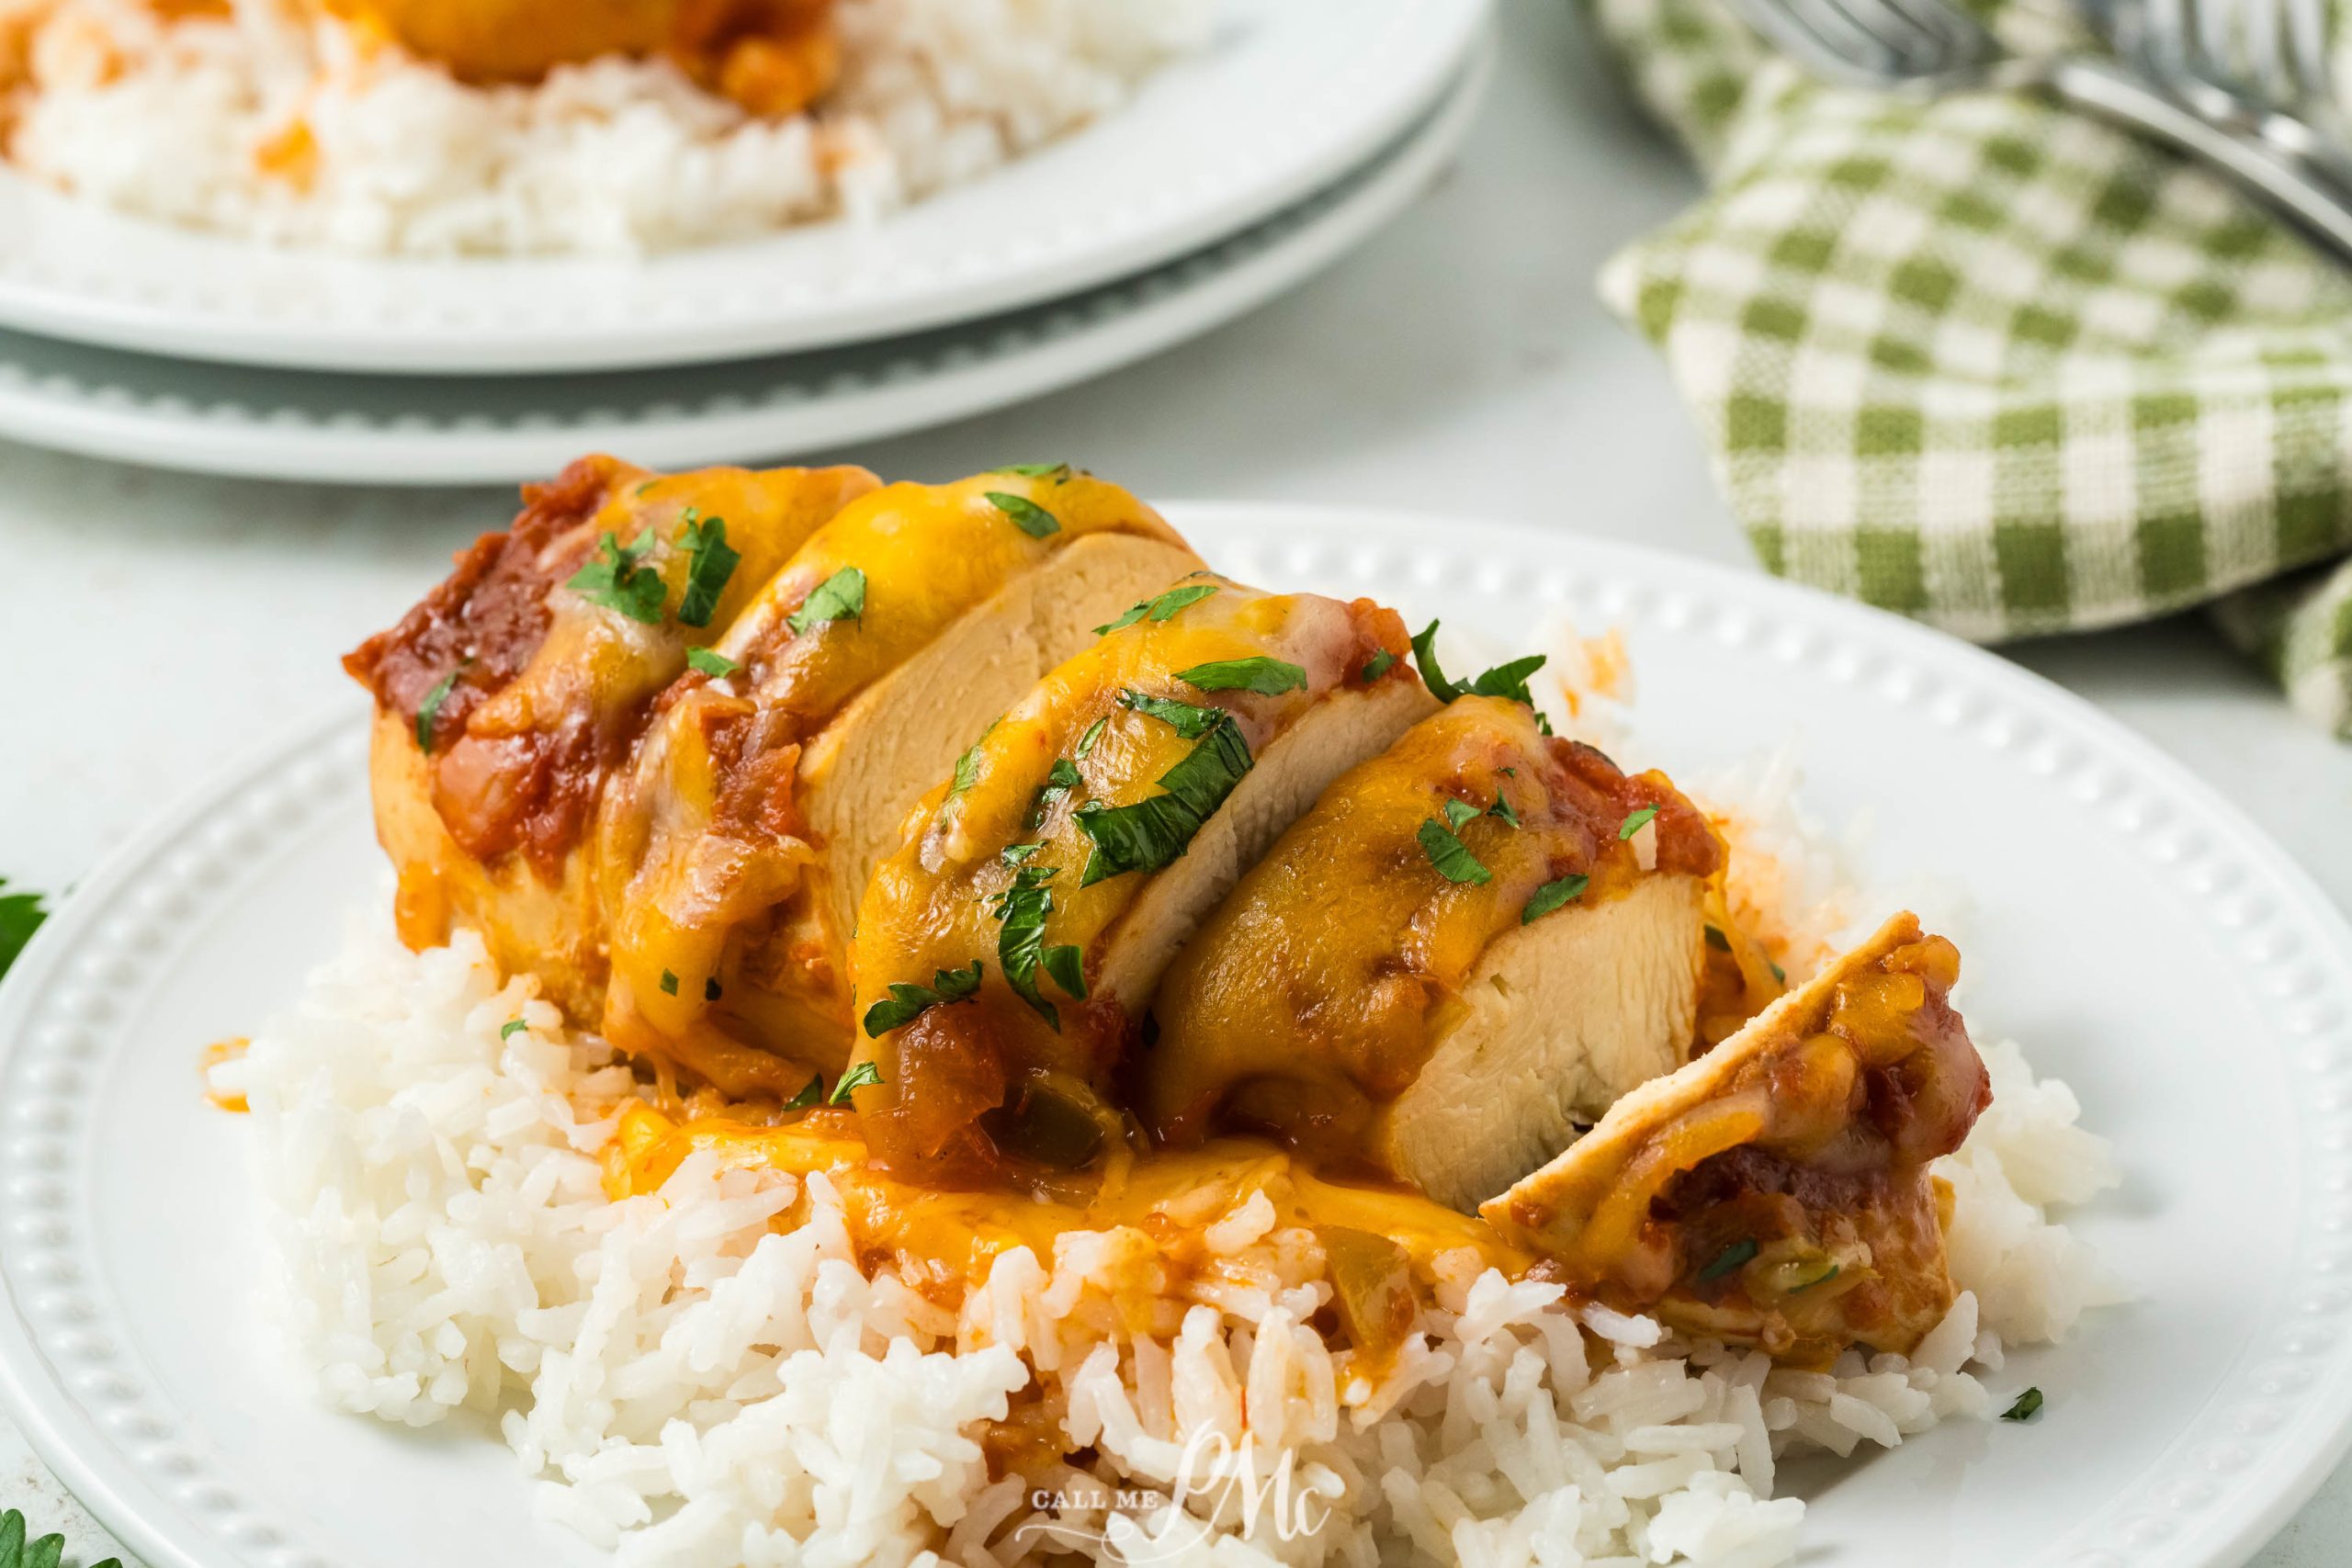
pixel 47 1551
pixel 1161 608
pixel 1189 721
pixel 1057 472
pixel 841 597
pixel 614 579
pixel 905 1003
pixel 1716 939
pixel 1156 830
pixel 510 1028
pixel 1027 515
pixel 1060 779
pixel 1550 895
pixel 711 663
pixel 1267 677
pixel 1379 664
pixel 1021 943
pixel 967 765
pixel 2028 1407
pixel 1821 1279
pixel 428 712
pixel 1013 854
pixel 1457 812
pixel 858 1076
pixel 1634 822
pixel 1503 809
pixel 1729 1258
pixel 710 562
pixel 669 984
pixel 20 916
pixel 1093 733
pixel 1508 680
pixel 1453 862
pixel 811 1094
pixel 1067 964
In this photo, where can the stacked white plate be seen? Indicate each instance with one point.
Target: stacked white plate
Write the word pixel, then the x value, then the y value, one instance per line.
pixel 1233 175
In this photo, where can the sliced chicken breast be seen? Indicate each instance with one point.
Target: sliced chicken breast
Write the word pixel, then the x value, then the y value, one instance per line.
pixel 1008 951
pixel 1776 1191
pixel 508 696
pixel 1474 943
pixel 732 857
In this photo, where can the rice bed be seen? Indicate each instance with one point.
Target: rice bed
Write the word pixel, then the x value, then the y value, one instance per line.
pixel 690 1385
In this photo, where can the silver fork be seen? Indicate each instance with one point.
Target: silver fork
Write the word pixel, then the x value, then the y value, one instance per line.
pixel 2257 65
pixel 1928 47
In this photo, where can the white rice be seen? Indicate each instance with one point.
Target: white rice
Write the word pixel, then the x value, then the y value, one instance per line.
pixel 690 1385
pixel 170 120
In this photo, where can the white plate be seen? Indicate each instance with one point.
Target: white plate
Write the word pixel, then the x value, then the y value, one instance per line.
pixel 1293 94
pixel 428 431
pixel 2143 940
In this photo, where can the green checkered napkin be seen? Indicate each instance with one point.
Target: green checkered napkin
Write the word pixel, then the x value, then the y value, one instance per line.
pixel 1994 365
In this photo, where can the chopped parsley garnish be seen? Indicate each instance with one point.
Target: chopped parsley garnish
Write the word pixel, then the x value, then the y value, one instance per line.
pixel 614 579
pixel 905 1003
pixel 1093 733
pixel 428 712
pixel 1550 895
pixel 1453 862
pixel 510 1028
pixel 1267 677
pixel 967 769
pixel 1057 472
pixel 1509 679
pixel 1067 964
pixel 1060 779
pixel 711 663
pixel 669 984
pixel 1379 664
pixel 1716 939
pixel 1191 722
pixel 1155 830
pixel 1013 854
pixel 1021 943
pixel 1634 822
pixel 841 597
pixel 710 561
pixel 1503 809
pixel 2028 1407
pixel 811 1095
pixel 1027 515
pixel 1821 1279
pixel 47 1551
pixel 1457 812
pixel 1778 972
pixel 1161 608
pixel 858 1076
pixel 710 989
pixel 1729 1258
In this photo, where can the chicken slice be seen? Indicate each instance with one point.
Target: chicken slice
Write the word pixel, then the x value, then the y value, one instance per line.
pixel 1474 943
pixel 733 857
pixel 1007 951
pixel 509 694
pixel 1776 1191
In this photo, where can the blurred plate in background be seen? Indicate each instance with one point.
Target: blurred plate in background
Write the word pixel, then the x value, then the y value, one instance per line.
pixel 407 430
pixel 1293 95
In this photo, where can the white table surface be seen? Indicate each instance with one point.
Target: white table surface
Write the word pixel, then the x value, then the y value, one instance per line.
pixel 155 626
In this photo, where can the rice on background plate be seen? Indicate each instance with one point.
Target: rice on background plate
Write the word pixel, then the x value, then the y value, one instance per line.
pixel 689 1385
pixel 274 123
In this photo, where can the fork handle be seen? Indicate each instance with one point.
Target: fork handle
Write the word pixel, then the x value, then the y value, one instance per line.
pixel 2099 86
